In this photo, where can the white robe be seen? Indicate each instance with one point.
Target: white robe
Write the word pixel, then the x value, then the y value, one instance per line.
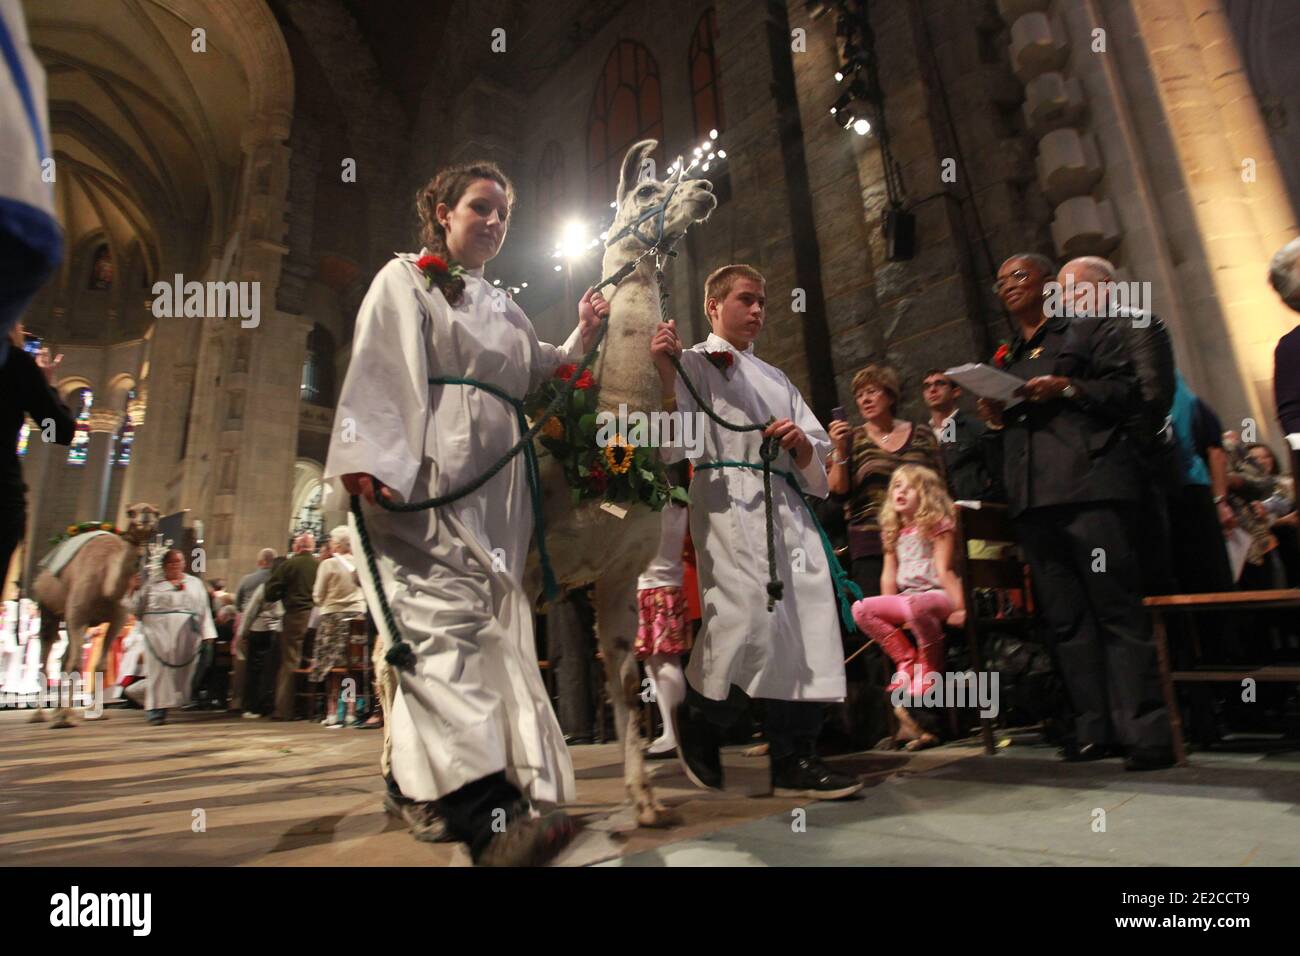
pixel 475 703
pixel 173 621
pixel 794 652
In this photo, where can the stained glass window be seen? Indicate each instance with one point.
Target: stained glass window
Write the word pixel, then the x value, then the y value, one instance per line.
pixel 22 440
pixel 81 437
pixel 702 59
pixel 625 108
pixel 126 434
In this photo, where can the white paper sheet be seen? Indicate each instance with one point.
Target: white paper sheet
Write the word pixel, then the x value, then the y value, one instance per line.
pixel 986 381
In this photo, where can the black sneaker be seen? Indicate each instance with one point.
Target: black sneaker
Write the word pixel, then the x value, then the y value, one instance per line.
pixel 528 841
pixel 807 776
pixel 1149 758
pixel 698 748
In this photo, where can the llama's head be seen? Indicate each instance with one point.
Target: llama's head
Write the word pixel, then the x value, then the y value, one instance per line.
pixel 642 198
pixel 142 522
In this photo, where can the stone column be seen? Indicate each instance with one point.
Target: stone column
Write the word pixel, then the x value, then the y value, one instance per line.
pixel 93 497
pixel 1231 195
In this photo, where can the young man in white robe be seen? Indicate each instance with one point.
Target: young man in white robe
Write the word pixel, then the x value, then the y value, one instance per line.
pixel 471 726
pixel 175 619
pixel 790 657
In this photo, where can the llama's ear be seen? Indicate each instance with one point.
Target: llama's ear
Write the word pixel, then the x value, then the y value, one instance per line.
pixel 631 172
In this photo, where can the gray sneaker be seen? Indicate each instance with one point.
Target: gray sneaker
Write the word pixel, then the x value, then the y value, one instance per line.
pixel 422 819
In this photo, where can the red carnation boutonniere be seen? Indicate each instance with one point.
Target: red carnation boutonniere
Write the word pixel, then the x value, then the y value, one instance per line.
pixel 721 360
pixel 1002 357
pixel 449 278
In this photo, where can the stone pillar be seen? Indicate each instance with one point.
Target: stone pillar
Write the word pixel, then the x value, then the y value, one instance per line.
pixel 93 496
pixel 1231 195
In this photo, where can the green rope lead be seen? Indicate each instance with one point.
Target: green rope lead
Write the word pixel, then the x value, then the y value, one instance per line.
pixel 846 589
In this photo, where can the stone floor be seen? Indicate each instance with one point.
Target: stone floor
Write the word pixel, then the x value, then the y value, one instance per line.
pixel 210 790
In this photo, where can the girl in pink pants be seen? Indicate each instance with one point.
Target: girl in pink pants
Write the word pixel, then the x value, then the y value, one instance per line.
pixel 919 589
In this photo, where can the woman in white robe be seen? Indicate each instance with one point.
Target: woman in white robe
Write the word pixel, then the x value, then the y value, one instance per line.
pixel 175 618
pixel 471 724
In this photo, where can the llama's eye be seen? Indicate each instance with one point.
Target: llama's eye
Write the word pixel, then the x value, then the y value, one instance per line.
pixel 645 192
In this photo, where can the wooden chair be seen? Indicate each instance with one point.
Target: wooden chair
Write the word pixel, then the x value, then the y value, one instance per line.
pixel 1007 572
pixel 314 694
pixel 1225 601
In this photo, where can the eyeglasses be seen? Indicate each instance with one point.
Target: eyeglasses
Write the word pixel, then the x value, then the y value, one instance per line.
pixel 1017 278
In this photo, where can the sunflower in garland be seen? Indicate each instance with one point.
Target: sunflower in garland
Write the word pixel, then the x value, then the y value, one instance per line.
pixel 618 455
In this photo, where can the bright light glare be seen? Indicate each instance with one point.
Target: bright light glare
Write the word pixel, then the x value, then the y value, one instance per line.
pixel 573 239
pixel 713 134
pixel 861 127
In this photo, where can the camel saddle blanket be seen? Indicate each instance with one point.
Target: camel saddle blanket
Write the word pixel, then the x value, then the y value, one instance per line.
pixel 65 551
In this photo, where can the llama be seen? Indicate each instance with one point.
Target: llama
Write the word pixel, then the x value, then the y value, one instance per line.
pixel 88 590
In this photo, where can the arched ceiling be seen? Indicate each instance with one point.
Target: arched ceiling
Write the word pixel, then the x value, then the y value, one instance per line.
pixel 145 130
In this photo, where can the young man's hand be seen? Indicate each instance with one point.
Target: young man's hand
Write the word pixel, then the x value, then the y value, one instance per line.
pixel 664 347
pixel 792 439
pixel 359 483
pixel 592 308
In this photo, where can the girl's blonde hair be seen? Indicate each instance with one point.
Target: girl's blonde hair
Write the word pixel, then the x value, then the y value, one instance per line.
pixel 933 507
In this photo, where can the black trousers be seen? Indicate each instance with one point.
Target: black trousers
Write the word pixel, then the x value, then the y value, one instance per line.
pixel 476 811
pixel 791 726
pixel 13 527
pixel 1088 584
pixel 258 692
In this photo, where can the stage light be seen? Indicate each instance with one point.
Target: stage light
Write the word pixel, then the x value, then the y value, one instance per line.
pixel 722 154
pixel 573 241
pixel 705 168
pixel 839 76
pixel 840 104
pixel 559 268
pixel 524 285
pixel 713 134
pixel 861 127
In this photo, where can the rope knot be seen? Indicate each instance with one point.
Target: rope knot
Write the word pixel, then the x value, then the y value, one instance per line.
pixel 401 656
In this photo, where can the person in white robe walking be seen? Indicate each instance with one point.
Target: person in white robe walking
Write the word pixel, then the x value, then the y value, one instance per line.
pixel 471 725
pixel 175 619
pixel 791 656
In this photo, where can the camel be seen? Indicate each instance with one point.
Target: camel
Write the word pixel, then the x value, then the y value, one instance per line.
pixel 88 590
pixel 626 375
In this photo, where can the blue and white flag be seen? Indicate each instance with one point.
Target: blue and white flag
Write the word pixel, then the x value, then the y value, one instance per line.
pixel 31 240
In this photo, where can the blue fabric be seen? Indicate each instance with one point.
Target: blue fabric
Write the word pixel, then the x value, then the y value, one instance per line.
pixel 1192 464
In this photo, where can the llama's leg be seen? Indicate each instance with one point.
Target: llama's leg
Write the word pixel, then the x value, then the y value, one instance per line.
pixel 616 623
pixel 76 638
pixel 49 637
pixel 384 685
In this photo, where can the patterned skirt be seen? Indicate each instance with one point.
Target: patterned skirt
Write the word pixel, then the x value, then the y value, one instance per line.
pixel 331 649
pixel 662 628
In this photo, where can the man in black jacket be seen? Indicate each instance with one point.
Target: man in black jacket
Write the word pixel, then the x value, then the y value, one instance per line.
pixel 28 390
pixel 1071 475
pixel 969 458
pixel 1091 287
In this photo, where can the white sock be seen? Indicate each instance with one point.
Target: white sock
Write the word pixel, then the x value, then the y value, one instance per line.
pixel 669 685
